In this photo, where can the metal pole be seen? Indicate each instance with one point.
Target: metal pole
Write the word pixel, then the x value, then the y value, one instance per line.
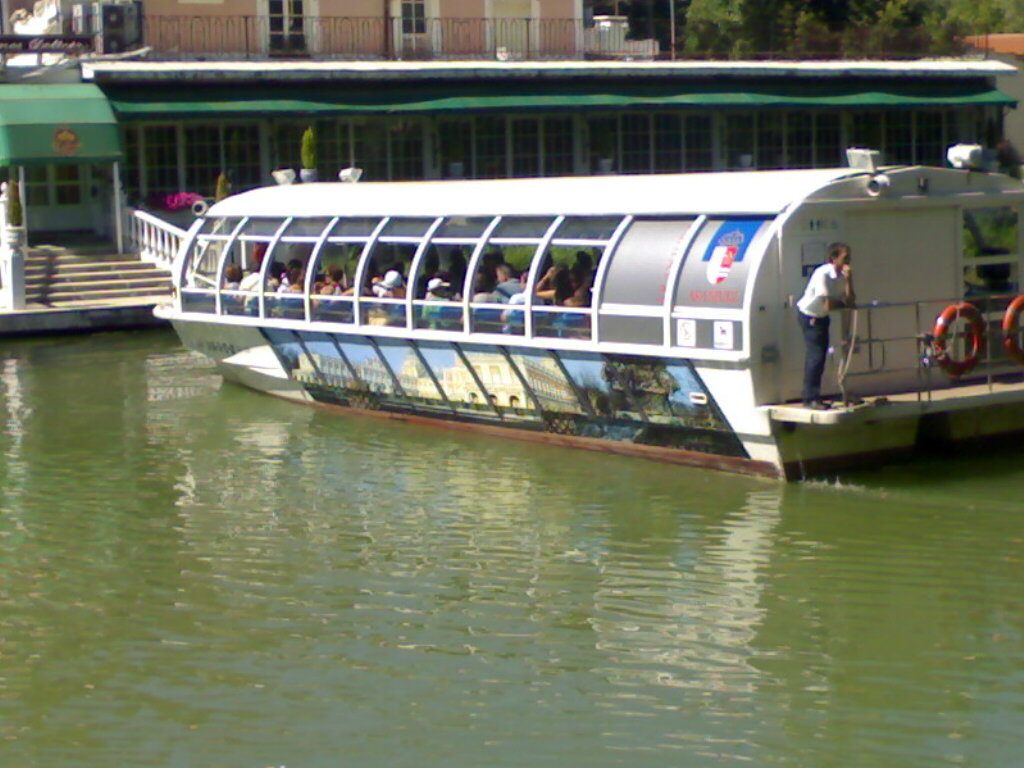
pixel 672 27
pixel 118 223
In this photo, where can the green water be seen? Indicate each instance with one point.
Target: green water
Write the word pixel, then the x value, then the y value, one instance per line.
pixel 195 575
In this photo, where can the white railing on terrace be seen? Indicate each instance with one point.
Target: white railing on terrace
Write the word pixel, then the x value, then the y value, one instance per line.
pixel 153 239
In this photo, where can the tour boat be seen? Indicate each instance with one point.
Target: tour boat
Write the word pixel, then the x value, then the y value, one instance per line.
pixel 681 341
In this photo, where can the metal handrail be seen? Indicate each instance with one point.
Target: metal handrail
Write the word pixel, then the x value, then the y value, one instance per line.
pixel 153 239
pixel 992 366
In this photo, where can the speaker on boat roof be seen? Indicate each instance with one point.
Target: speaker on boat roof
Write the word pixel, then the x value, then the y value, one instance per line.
pixel 199 207
pixel 878 185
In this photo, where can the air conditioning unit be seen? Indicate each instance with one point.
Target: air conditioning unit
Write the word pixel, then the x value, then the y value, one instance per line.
pixel 117 26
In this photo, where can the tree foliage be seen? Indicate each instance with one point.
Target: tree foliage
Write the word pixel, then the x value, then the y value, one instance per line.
pixel 808 28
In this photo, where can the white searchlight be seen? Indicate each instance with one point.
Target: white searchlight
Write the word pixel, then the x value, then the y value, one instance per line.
pixel 966 156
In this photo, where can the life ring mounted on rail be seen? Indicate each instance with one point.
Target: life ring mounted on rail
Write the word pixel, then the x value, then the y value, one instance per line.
pixel 940 337
pixel 1010 329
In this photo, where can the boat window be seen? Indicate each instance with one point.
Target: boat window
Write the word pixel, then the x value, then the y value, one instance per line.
pixel 218 226
pixel 562 294
pixel 385 283
pixel 462 227
pixel 308 229
pixel 354 227
pixel 332 282
pixel 264 228
pixel 587 228
pixel 641 263
pixel 522 227
pixel 406 227
pixel 990 248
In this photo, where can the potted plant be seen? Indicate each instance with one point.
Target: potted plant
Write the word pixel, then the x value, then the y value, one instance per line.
pixel 15 215
pixel 308 155
pixel 222 188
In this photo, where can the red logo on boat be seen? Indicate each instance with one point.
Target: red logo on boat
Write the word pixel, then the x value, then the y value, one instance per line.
pixel 720 263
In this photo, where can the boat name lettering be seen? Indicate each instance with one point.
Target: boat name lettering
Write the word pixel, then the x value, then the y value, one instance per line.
pixel 715 296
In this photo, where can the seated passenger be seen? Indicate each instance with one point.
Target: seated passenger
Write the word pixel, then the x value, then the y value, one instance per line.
pixel 556 285
pixel 293 280
pixel 333 285
pixel 582 274
pixel 391 286
pixel 232 277
pixel 438 289
pixel 483 290
pixel 508 284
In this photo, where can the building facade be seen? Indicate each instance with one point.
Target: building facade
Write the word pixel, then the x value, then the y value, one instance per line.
pixel 184 123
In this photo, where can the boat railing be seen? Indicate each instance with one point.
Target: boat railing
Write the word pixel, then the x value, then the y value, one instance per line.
pixel 155 240
pixel 552 321
pixel 896 342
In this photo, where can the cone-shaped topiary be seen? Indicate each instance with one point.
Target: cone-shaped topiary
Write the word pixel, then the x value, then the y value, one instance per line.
pixel 14 213
pixel 223 187
pixel 308 149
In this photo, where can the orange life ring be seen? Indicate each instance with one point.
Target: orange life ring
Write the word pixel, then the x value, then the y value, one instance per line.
pixel 1010 329
pixel 940 334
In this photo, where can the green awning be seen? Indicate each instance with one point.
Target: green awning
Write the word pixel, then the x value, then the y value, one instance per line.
pixel 259 99
pixel 65 123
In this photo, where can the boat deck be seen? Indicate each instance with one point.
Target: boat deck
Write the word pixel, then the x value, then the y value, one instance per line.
pixel 904 404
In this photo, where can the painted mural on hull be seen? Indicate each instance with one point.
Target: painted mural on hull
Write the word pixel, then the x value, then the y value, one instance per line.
pixel 637 399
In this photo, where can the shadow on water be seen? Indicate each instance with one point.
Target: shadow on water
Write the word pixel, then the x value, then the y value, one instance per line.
pixel 196 574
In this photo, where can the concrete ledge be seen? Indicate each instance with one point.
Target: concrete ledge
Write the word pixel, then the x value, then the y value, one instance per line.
pixel 78 320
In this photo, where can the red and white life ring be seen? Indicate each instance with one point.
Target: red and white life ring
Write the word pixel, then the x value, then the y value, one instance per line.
pixel 1010 329
pixel 940 336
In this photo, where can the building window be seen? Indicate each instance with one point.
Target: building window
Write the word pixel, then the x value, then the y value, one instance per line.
pixel 828 140
pixel 160 157
pixel 740 138
pixel 559 158
pixel 668 144
pixel 406 150
pixel 698 139
pixel 899 137
pixel 636 143
pixel 771 150
pixel 525 146
pixel 490 148
pixel 202 158
pixel 604 144
pixel 929 144
pixel 414 17
pixel 455 148
pixel 799 140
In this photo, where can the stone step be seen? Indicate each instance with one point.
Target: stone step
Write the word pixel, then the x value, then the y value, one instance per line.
pixel 43 265
pixel 84 276
pixel 157 283
pixel 101 294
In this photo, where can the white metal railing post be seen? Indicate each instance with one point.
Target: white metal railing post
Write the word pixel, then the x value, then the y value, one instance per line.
pixel 153 239
pixel 12 259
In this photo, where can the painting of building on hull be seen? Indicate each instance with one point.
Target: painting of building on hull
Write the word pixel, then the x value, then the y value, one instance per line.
pixel 638 399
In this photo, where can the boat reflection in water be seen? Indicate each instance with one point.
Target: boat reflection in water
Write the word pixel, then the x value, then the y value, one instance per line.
pixel 654 315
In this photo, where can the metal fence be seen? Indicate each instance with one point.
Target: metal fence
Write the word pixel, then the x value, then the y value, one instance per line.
pixel 325 37
pixel 261 37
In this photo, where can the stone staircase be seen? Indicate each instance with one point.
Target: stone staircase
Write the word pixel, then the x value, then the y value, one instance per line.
pixel 62 277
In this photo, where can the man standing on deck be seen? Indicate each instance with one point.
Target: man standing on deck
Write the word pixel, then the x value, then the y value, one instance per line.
pixel 829 287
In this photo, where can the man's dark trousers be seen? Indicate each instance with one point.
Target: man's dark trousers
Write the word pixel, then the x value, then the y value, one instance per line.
pixel 816 340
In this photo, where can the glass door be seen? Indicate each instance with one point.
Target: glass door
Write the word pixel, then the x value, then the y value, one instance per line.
pixel 58 198
pixel 286 25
